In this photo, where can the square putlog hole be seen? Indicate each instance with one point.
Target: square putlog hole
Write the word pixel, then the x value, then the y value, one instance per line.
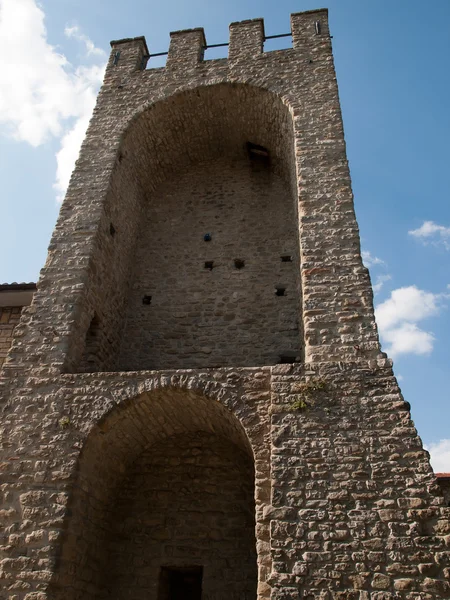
pixel 180 583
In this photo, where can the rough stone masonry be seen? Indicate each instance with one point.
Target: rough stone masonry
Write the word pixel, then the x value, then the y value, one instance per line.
pixel 196 397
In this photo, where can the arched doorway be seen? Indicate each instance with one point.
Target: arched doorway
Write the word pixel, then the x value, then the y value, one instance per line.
pixel 184 523
pixel 164 505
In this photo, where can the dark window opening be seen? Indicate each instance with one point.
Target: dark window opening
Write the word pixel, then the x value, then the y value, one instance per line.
pixel 209 264
pixel 147 299
pixel 239 263
pixel 280 291
pixel 286 258
pixel 207 237
pixel 180 583
pixel 288 358
pixel 112 230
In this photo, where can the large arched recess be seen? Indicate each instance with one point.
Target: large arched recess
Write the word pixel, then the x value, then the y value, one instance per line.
pixel 166 482
pixel 185 169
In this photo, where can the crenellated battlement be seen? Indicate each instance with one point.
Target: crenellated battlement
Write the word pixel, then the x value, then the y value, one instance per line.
pixel 246 41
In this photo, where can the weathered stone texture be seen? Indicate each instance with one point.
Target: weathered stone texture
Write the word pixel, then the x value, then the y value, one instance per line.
pixel 444 484
pixel 187 501
pixel 223 314
pixel 150 124
pixel 346 506
pixel 9 317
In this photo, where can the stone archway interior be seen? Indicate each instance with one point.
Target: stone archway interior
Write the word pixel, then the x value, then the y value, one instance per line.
pixel 165 495
pixel 187 505
pixel 203 270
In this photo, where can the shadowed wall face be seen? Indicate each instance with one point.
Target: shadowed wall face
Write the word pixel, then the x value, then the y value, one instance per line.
pixel 186 503
pixel 166 483
pixel 217 262
pixel 197 256
pixel 215 276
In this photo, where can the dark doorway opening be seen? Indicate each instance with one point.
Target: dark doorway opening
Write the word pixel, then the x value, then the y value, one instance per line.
pixel 180 583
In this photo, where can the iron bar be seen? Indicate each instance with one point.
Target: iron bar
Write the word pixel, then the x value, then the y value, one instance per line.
pixel 280 35
pixel 267 37
pixel 215 45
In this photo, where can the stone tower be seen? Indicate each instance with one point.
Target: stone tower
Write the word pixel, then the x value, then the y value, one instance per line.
pixel 195 405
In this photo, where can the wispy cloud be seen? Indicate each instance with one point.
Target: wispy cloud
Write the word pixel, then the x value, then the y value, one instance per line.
pixel 379 282
pixel 432 233
pixel 440 455
pixel 373 262
pixel 398 319
pixel 43 95
pixel 75 33
pixel 369 260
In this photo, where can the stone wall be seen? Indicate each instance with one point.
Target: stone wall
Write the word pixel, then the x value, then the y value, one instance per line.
pixel 9 318
pixel 204 310
pixel 444 484
pixel 188 501
pixel 346 501
pixel 148 126
pixel 346 504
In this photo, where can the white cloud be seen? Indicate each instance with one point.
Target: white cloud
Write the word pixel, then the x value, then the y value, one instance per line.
pixel 42 95
pixel 440 455
pixel 74 32
pixel 370 260
pixel 373 261
pixel 408 338
pixel 379 282
pixel 407 304
pixel 432 233
pixel 397 319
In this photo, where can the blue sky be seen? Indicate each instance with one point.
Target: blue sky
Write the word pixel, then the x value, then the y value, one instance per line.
pixel 392 67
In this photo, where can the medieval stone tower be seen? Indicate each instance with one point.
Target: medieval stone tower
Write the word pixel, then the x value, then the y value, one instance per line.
pixel 195 405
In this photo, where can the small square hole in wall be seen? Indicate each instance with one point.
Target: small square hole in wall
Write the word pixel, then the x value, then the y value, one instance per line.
pixel 288 358
pixel 286 258
pixel 180 583
pixel 112 230
pixel 209 264
pixel 280 291
pixel 146 299
pixel 239 263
